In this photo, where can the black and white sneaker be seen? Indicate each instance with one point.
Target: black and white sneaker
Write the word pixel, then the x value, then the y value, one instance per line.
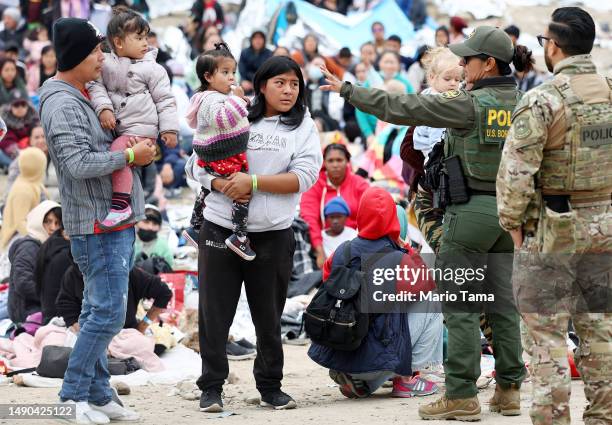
pixel 277 400
pixel 191 236
pixel 246 344
pixel 235 351
pixel 210 401
pixel 241 248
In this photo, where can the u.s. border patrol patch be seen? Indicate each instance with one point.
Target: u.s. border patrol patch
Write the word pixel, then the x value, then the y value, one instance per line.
pixel 451 94
pixel 521 128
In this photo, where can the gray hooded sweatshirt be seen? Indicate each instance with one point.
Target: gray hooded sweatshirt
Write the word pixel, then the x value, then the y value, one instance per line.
pixel 79 149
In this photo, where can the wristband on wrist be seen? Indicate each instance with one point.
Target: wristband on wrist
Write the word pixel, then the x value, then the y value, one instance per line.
pixel 147 320
pixel 130 152
pixel 254 182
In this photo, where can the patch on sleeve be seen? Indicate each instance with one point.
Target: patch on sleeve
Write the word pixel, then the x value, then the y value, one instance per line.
pixel 522 128
pixel 451 94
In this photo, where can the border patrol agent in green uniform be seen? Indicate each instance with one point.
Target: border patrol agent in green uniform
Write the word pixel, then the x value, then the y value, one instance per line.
pixel 554 190
pixel 477 121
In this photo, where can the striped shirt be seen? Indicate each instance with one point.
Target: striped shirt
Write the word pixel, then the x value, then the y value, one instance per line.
pixel 79 149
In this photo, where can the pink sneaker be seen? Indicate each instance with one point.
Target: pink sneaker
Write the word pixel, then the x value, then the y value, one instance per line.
pixel 116 218
pixel 416 387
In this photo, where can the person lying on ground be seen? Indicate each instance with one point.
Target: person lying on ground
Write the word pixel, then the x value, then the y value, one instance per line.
pixel 142 286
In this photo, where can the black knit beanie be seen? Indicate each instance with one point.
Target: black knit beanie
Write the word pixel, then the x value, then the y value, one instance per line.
pixel 73 40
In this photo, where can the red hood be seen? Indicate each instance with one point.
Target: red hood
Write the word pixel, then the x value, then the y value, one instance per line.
pixel 377 216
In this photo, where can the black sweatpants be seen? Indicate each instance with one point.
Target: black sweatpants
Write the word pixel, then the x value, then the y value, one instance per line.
pixel 266 279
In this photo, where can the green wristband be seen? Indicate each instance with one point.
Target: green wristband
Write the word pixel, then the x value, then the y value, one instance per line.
pixel 254 180
pixel 130 152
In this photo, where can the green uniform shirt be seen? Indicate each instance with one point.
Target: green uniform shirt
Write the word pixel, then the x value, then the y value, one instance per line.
pixel 452 109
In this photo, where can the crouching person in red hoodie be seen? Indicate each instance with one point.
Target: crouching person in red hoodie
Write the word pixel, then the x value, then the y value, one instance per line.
pixel 385 352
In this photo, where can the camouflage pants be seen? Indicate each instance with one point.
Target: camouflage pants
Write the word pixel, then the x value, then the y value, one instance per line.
pixel 428 220
pixel 551 377
pixel 550 288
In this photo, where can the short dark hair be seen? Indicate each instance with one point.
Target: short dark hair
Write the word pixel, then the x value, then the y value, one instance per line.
pixel 345 52
pixel 395 38
pixel 208 62
pixel 573 30
pixel 513 30
pixel 125 21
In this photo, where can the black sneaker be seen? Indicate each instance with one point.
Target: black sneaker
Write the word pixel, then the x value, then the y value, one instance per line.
pixel 246 344
pixel 238 352
pixel 278 400
pixel 241 248
pixel 192 236
pixel 210 401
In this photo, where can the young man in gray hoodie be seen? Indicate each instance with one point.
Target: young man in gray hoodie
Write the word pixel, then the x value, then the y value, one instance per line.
pixel 79 149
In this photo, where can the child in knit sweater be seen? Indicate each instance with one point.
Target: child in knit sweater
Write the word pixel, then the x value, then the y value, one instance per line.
pixel 134 98
pixel 218 112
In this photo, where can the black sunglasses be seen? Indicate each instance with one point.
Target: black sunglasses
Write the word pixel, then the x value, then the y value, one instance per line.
pixel 541 39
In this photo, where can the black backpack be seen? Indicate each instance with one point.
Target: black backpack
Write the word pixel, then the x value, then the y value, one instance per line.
pixel 333 317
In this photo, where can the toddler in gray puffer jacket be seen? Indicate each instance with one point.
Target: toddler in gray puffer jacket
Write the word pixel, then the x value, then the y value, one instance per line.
pixel 134 98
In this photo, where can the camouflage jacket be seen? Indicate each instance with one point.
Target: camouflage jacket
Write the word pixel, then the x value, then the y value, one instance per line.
pixel 538 126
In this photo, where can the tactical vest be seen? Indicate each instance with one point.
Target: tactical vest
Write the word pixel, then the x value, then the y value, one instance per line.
pixel 480 148
pixel 585 162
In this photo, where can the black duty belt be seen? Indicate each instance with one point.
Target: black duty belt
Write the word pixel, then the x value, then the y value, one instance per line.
pixel 482 192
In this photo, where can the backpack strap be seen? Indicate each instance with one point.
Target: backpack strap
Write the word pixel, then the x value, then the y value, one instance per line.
pixel 374 257
pixel 346 252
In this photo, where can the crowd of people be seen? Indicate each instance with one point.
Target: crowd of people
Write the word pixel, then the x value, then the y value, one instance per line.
pixel 303 163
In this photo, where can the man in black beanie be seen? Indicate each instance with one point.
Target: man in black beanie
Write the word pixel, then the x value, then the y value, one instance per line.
pixel 79 149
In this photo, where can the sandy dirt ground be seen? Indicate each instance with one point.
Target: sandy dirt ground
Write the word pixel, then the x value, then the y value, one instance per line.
pixel 319 402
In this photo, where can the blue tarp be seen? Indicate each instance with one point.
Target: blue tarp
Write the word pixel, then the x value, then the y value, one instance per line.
pixel 352 30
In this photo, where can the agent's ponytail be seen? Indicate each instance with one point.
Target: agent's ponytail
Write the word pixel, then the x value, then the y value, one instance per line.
pixel 523 60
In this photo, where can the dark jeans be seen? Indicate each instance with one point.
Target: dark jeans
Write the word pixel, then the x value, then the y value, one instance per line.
pixel 178 168
pixel 266 278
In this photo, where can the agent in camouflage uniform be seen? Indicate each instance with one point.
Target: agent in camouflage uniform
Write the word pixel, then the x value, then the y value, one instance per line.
pixel 554 196
pixel 477 122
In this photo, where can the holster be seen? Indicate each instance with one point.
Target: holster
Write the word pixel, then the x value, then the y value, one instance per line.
pixel 457 188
